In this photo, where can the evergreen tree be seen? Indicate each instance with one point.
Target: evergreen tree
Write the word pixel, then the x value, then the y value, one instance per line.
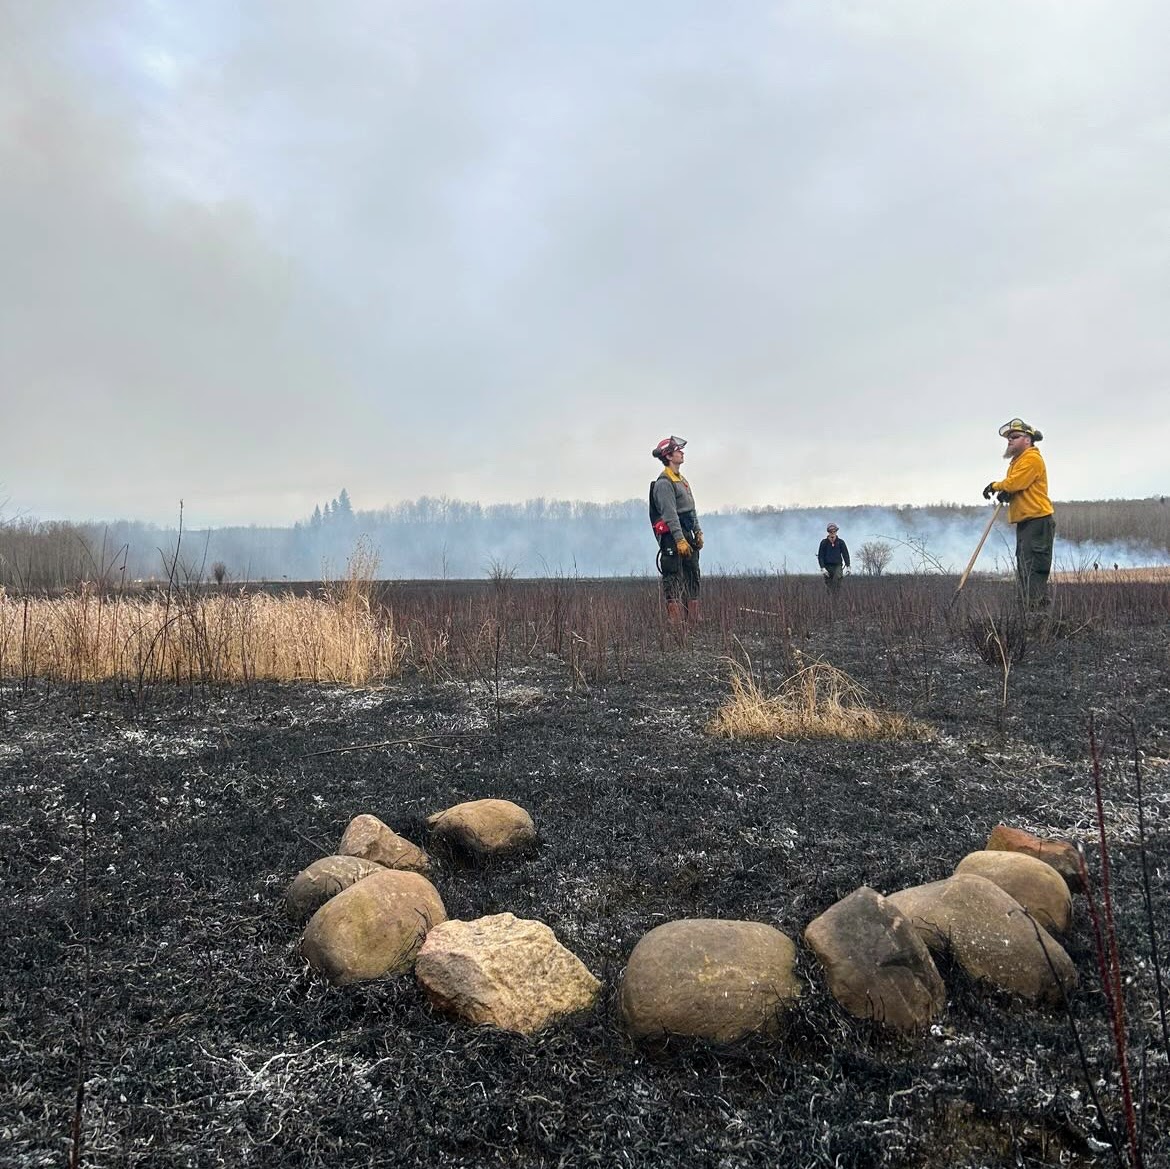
pixel 342 508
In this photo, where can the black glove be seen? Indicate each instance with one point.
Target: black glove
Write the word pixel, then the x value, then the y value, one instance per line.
pixel 989 490
pixel 1004 496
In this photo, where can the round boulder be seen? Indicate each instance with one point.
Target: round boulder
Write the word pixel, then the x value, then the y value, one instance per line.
pixel 367 837
pixel 710 979
pixel 324 878
pixel 1060 854
pixel 373 928
pixel 989 935
pixel 484 827
pixel 1037 886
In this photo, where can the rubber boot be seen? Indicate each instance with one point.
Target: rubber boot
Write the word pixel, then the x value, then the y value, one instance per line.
pixel 694 612
pixel 674 612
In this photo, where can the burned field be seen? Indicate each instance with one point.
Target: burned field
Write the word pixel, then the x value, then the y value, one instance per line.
pixel 156 1010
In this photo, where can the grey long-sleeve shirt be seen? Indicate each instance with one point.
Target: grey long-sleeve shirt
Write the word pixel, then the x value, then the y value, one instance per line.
pixel 674 498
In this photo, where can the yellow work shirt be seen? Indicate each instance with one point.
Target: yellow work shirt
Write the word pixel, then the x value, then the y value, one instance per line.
pixel 1027 481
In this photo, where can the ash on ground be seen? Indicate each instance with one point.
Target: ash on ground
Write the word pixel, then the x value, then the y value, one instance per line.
pixel 153 991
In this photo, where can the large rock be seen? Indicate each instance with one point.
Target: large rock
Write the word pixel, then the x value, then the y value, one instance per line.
pixel 324 878
pixel 1037 886
pixel 1060 854
pixel 484 827
pixel 989 935
pixel 367 837
pixel 707 978
pixel 876 965
pixel 372 928
pixel 503 971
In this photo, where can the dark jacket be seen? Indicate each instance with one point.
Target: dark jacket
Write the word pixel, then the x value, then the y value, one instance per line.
pixel 830 554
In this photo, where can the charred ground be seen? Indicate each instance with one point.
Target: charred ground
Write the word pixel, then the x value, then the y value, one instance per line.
pixel 147 844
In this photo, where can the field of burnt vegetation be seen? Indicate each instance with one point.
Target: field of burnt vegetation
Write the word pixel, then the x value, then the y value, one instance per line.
pixel 169 764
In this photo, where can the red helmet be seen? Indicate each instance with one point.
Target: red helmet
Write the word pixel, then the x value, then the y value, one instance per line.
pixel 667 447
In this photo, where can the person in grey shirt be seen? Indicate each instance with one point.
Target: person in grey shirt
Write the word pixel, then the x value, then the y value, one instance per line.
pixel 676 526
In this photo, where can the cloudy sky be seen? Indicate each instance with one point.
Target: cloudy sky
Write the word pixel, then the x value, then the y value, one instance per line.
pixel 252 253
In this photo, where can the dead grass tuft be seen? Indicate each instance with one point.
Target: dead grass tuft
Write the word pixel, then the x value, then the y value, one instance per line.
pixel 229 638
pixel 817 702
pixel 1107 574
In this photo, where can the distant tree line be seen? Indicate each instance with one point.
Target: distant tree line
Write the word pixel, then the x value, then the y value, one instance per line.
pixel 48 555
pixel 440 538
pixel 1102 521
pixel 338 510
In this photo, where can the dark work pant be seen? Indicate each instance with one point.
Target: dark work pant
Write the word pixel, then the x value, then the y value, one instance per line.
pixel 680 574
pixel 1034 540
pixel 835 573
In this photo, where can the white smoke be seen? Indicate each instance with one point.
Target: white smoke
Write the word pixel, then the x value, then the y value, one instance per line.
pixel 444 539
pixel 918 540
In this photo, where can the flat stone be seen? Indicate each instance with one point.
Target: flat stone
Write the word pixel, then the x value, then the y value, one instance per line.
pixel 503 971
pixel 876 965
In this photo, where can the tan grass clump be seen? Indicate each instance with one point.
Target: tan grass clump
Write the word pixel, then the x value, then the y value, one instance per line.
pixel 1109 575
pixel 817 702
pixel 225 638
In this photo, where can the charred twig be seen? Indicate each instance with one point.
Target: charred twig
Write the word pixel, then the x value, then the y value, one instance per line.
pixel 1148 899
pixel 1108 957
pixel 1148 904
pixel 75 1127
pixel 1076 1034
pixel 419 740
pixel 315 843
pixel 496 692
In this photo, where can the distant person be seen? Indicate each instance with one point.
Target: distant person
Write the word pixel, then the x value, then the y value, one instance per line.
pixel 676 526
pixel 1025 490
pixel 833 557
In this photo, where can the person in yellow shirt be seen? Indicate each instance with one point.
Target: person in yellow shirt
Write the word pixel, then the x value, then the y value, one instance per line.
pixel 1025 490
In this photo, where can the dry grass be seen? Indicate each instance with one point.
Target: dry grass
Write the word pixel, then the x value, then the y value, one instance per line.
pixel 190 635
pixel 817 702
pixel 1107 574
pixel 230 638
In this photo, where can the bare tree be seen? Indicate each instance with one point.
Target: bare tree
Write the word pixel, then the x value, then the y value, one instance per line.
pixel 875 557
pixel 45 555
